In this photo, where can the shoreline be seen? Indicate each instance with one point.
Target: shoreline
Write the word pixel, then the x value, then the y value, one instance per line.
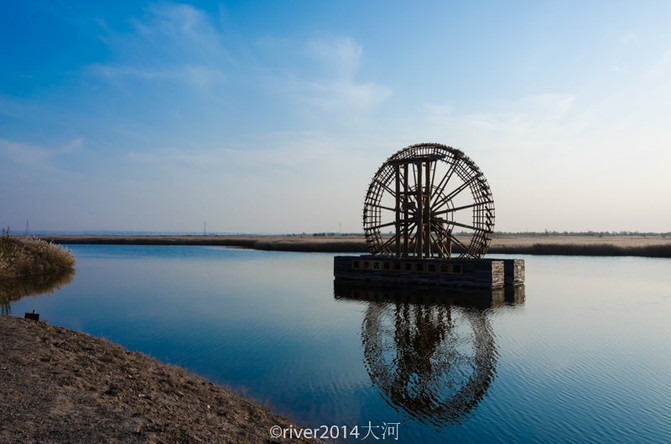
pixel 656 245
pixel 60 385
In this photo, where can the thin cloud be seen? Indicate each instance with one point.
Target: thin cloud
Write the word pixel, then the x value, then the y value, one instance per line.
pixel 519 123
pixel 662 68
pixel 337 88
pixel 340 95
pixel 197 76
pixel 176 157
pixel 180 47
pixel 340 56
pixel 176 42
pixel 35 156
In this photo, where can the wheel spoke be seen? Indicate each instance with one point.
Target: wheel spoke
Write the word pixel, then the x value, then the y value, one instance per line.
pixel 456 191
pixel 449 235
pixel 438 242
pixel 386 187
pixel 451 210
pixel 443 182
pixel 389 241
pixel 395 236
pixel 470 227
pixel 382 206
pixel 412 241
pixel 376 227
pixel 407 235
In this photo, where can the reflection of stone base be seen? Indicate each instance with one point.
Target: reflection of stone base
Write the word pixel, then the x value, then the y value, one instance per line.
pixel 462 297
pixel 474 273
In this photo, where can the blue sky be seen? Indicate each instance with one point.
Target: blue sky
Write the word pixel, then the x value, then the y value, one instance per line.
pixel 272 116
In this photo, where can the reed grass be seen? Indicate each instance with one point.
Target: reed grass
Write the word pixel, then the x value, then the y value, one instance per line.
pixel 662 250
pixel 29 256
pixel 5 241
pixel 310 245
pixel 572 244
pixel 568 249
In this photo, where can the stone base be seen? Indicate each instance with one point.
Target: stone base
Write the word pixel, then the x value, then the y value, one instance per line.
pixel 470 273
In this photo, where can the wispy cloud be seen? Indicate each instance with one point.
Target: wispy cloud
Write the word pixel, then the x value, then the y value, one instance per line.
pixel 337 88
pixel 182 45
pixel 174 157
pixel 340 56
pixel 176 42
pixel 196 76
pixel 527 124
pixel 35 156
pixel 340 95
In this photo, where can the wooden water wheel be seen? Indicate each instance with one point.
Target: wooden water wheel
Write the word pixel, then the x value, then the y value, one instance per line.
pixel 427 200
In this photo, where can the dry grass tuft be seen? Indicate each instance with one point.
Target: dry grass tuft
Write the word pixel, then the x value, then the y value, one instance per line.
pixel 24 257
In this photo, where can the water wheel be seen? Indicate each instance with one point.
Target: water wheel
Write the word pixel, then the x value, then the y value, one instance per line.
pixel 427 200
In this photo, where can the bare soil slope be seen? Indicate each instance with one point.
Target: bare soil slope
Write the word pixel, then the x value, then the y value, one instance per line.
pixel 59 385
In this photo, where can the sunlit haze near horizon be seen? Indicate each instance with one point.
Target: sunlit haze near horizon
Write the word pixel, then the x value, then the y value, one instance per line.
pixel 273 116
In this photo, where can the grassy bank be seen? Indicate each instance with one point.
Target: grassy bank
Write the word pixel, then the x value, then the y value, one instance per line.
pixel 28 256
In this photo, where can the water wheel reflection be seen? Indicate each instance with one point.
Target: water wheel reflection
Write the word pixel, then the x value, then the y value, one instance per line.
pixel 433 358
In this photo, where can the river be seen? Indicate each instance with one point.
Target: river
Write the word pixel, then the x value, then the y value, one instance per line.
pixel 582 353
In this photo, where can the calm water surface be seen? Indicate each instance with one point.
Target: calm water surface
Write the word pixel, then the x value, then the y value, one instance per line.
pixel 582 354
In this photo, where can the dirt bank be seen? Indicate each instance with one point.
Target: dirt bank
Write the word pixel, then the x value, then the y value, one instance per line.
pixel 59 385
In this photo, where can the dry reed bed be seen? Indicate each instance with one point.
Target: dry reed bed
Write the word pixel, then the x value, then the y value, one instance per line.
pixel 577 245
pixel 29 256
pixel 662 251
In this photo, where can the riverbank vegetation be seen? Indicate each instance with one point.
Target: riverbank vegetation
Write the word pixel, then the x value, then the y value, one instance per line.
pixel 29 256
pixel 577 249
pixel 545 243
